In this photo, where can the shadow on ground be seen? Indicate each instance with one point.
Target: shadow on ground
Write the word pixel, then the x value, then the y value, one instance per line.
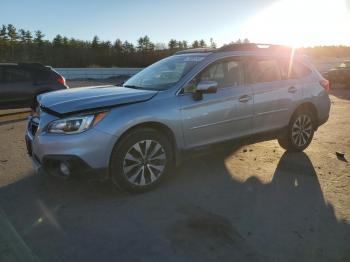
pixel 200 214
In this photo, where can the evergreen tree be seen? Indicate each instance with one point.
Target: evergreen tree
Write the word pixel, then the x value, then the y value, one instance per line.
pixel 212 43
pixel 202 43
pixel 39 46
pixel 12 33
pixel 57 41
pixel 28 37
pixel 95 42
pixel 3 33
pixel 118 46
pixel 195 44
pixel 145 44
pixel 22 36
pixel 39 37
pixel 172 44
pixel 128 47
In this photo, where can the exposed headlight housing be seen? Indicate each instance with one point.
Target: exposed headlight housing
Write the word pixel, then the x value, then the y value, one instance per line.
pixel 75 125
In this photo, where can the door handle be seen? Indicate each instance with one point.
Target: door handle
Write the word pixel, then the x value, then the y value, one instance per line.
pixel 244 98
pixel 292 90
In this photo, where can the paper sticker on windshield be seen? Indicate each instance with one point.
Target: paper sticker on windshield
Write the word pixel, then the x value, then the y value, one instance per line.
pixel 194 58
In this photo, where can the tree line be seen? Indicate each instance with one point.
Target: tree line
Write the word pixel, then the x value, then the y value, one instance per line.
pixel 19 45
pixel 24 46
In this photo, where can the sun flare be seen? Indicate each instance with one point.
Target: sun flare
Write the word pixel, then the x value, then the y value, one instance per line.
pixel 301 23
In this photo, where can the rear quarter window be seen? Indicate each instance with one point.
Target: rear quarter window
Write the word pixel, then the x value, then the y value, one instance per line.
pixel 293 70
pixel 42 76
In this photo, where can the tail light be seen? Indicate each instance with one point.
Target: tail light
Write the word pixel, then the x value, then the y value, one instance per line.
pixel 325 84
pixel 60 79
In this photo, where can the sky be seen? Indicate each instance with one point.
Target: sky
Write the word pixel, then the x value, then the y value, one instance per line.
pixel 291 22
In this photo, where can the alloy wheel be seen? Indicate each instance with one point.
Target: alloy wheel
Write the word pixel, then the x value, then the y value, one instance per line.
pixel 302 130
pixel 144 162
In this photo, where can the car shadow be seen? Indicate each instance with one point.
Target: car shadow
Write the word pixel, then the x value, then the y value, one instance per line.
pixel 202 213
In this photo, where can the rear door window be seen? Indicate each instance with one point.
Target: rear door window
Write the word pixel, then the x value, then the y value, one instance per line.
pixel 263 71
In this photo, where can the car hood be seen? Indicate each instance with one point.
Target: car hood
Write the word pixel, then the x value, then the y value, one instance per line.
pixel 87 98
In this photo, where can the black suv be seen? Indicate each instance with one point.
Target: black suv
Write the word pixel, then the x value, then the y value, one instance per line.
pixel 340 74
pixel 21 83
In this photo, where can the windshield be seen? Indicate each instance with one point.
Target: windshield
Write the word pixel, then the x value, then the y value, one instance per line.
pixel 165 73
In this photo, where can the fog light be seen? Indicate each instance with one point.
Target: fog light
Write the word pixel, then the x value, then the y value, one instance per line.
pixel 65 170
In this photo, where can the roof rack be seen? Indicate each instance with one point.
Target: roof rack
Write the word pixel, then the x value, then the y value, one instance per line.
pixel 253 47
pixel 195 50
pixel 239 47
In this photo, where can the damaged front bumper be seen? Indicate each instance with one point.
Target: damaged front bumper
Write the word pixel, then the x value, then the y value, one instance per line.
pixel 65 156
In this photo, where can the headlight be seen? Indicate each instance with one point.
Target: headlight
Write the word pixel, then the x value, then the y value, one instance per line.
pixel 74 125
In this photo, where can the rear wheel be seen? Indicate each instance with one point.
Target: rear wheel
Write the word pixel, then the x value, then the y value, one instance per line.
pixel 300 132
pixel 141 160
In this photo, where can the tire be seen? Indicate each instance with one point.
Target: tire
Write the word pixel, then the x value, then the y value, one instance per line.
pixel 300 132
pixel 141 160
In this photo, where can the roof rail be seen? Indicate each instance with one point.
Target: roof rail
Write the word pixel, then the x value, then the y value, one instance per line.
pixel 238 47
pixel 253 47
pixel 195 50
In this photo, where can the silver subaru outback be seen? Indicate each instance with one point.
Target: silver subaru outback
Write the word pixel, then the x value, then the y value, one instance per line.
pixel 196 98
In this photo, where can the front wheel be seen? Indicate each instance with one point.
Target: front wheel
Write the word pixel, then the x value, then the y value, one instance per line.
pixel 300 132
pixel 141 160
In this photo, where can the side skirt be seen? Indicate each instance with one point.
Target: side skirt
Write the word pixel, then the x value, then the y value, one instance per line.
pixel 229 144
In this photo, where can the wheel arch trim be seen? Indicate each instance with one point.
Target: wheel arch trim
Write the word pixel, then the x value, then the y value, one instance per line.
pixel 159 127
pixel 307 106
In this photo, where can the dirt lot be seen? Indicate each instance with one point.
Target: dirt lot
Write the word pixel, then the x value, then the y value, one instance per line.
pixel 255 203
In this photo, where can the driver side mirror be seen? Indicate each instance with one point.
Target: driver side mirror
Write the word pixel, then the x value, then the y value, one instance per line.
pixel 205 87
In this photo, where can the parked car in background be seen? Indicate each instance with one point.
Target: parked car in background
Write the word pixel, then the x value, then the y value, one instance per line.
pixel 190 101
pixel 340 74
pixel 21 83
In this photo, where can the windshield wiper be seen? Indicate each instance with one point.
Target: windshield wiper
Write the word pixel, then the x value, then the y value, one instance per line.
pixel 132 86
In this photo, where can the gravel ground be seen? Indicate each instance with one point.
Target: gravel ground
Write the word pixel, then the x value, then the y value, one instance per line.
pixel 254 203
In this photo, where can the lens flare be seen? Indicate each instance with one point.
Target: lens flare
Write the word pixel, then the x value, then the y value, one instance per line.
pixel 301 23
